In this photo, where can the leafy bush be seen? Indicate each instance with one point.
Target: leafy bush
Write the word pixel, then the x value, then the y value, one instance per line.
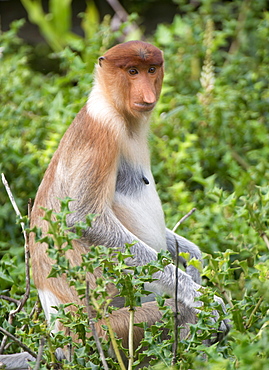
pixel 209 151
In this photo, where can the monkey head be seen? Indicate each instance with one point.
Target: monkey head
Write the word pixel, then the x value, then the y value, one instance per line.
pixel 131 74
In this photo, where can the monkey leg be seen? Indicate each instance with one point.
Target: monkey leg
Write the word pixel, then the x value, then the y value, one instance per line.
pixel 149 313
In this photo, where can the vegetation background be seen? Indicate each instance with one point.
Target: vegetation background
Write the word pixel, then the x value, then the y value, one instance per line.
pixel 209 146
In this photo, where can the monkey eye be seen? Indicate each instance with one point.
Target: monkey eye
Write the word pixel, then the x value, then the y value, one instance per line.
pixel 133 71
pixel 152 70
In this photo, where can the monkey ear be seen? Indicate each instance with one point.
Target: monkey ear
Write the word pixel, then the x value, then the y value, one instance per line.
pixel 100 60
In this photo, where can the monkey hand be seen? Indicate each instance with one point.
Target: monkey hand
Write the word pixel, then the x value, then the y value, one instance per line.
pixel 200 300
pixel 223 326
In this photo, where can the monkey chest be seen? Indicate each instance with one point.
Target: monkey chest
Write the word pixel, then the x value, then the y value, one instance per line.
pixel 138 207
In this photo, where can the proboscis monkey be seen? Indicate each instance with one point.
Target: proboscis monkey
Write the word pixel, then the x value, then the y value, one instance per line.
pixel 103 163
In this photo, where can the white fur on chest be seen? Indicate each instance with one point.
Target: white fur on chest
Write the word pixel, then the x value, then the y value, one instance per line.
pixel 143 215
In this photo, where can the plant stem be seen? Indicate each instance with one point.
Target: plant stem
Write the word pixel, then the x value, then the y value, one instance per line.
pixel 174 359
pixel 114 343
pixel 23 300
pixel 183 219
pixel 253 312
pixel 131 339
pixel 93 329
pixel 40 353
pixel 16 340
pixel 239 26
pixel 264 236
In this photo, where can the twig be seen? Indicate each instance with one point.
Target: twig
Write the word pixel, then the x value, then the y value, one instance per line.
pixel 34 313
pixel 13 203
pixel 239 159
pixel 118 9
pixel 264 236
pixel 9 299
pixel 226 296
pixel 183 219
pixel 111 334
pixel 131 339
pixel 26 246
pixel 93 329
pixel 121 16
pixel 174 359
pixel 5 346
pixel 16 340
pixel 240 26
pixel 114 343
pixel 27 263
pixel 40 353
pixel 254 311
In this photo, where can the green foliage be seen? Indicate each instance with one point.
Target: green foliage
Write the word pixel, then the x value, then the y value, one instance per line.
pixel 209 151
pixel 55 25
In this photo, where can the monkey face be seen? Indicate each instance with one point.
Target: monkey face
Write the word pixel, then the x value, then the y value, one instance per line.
pixel 133 76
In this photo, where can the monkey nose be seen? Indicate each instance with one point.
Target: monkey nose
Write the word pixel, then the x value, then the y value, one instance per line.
pixel 146 102
pixel 149 98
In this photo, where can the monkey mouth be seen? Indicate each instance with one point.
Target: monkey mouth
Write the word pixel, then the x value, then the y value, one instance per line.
pixel 144 107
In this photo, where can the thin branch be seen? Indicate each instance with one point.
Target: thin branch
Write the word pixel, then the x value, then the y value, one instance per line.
pixel 225 294
pixel 114 343
pixel 93 329
pixel 40 353
pixel 26 246
pixel 183 219
pixel 16 340
pixel 239 159
pixel 176 323
pixel 241 21
pixel 118 9
pixel 265 238
pixel 23 300
pixel 34 313
pixel 9 299
pixel 111 333
pixel 254 312
pixel 5 346
pixel 27 265
pixel 13 203
pixel 120 17
pixel 131 339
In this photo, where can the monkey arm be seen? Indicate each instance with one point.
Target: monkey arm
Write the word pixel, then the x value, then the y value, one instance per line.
pixel 186 246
